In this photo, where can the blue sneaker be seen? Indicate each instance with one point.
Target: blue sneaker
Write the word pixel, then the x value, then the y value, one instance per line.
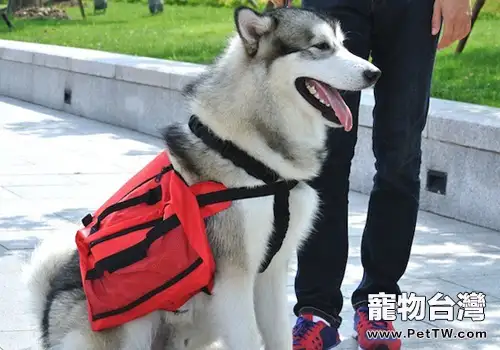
pixel 310 335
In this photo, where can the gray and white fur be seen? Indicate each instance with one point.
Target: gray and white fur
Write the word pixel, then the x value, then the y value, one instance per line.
pixel 248 96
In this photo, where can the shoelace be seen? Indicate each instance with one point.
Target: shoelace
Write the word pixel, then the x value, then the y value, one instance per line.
pixel 374 324
pixel 303 328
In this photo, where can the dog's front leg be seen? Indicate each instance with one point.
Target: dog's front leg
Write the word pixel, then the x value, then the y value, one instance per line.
pixel 140 333
pixel 271 307
pixel 232 309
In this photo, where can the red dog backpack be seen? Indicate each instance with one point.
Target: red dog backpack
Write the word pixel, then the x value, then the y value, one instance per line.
pixel 146 248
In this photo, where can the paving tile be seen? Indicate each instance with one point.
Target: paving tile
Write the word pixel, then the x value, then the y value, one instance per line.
pixel 3 250
pixel 64 167
pixel 11 262
pixel 452 266
pixel 14 242
pixel 432 223
pixel 19 340
pixel 37 180
pixel 6 195
pixel 20 240
pixel 26 216
pixel 12 158
pixel 14 312
pixel 456 243
pixel 63 192
pixel 110 181
pixel 481 282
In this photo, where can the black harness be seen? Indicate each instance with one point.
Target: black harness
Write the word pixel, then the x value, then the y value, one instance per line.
pixel 274 184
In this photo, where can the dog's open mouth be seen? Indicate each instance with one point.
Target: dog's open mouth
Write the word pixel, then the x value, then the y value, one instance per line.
pixel 326 99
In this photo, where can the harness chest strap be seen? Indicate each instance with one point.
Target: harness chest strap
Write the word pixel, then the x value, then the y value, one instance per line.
pixel 257 169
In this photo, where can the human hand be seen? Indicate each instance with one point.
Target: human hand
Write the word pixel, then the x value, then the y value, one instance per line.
pixel 456 16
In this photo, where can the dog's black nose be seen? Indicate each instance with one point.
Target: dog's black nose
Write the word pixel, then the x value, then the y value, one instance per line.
pixel 372 75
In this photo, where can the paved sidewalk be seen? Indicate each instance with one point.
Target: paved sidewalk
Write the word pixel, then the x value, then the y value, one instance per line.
pixel 55 168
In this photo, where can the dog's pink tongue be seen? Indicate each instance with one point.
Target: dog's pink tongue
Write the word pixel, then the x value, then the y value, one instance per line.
pixel 332 96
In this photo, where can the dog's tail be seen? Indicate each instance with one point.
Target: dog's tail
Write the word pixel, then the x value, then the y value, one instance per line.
pixel 47 259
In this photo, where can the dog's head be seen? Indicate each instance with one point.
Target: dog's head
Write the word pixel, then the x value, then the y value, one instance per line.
pixel 304 60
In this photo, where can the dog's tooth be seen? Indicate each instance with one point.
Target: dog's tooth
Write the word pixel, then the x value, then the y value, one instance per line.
pixel 311 89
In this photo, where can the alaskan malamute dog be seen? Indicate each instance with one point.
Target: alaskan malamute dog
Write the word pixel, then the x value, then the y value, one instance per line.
pixel 273 93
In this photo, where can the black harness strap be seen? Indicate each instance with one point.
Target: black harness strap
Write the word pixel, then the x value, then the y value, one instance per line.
pixel 231 152
pixel 237 193
pixel 257 169
pixel 281 221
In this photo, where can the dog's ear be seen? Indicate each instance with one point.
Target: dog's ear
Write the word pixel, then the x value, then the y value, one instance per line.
pixel 251 27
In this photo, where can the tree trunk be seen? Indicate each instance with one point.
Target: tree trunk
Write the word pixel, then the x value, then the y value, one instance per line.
pixel 82 10
pixel 475 12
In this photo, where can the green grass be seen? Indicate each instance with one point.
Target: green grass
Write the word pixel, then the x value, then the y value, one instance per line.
pixel 183 33
pixel 198 33
pixel 474 75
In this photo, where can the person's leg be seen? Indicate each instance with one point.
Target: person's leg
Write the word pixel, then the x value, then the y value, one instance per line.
pixel 404 49
pixel 322 261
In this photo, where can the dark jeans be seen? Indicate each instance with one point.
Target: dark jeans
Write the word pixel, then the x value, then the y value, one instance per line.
pixel 397 35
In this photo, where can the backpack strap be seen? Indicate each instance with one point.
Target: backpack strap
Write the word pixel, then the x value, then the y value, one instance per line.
pixel 134 253
pixel 150 197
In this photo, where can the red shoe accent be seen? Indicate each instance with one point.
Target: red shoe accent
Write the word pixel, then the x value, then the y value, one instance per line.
pixel 375 335
pixel 310 335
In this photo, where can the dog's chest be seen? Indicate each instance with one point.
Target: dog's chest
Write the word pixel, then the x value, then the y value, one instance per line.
pixel 303 210
pixel 259 219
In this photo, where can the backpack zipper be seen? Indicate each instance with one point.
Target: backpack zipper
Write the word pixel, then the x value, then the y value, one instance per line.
pixel 157 177
pixel 125 231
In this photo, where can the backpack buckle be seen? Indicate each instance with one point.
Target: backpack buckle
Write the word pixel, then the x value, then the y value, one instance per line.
pixel 87 220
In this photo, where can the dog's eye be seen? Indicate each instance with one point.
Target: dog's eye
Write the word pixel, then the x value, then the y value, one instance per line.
pixel 322 46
